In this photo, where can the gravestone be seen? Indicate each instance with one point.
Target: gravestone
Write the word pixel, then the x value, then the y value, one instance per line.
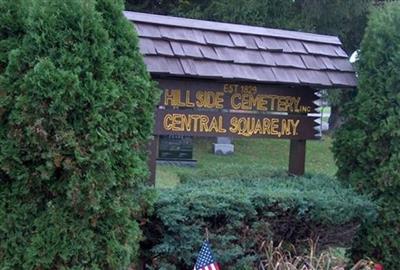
pixel 223 146
pixel 175 149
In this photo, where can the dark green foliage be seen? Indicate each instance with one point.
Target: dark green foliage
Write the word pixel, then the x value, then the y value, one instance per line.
pixel 152 6
pixel 11 28
pixel 242 214
pixel 254 12
pixel 367 147
pixel 345 19
pixel 78 111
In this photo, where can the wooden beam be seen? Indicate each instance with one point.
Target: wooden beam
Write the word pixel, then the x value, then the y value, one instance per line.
pixel 297 157
pixel 153 154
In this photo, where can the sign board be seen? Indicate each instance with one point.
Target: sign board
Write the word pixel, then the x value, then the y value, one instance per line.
pixel 234 96
pixel 235 110
pixel 227 124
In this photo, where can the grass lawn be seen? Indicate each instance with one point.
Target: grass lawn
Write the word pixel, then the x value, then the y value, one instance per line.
pixel 274 153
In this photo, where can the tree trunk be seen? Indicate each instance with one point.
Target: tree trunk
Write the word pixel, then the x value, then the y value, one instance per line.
pixel 335 120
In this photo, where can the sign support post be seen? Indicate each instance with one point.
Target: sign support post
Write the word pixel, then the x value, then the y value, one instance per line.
pixel 297 157
pixel 153 159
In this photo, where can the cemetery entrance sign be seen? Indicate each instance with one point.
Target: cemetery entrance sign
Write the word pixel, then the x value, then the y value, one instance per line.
pixel 220 79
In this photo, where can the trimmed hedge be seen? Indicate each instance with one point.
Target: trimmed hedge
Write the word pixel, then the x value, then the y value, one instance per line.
pixel 242 214
pixel 77 114
pixel 367 146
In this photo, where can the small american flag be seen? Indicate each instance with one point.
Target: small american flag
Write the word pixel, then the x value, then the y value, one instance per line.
pixel 206 260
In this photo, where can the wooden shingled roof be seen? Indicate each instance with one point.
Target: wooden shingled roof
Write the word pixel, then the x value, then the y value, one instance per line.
pixel 180 47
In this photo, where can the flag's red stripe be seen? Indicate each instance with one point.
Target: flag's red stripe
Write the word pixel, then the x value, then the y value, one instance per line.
pixel 213 266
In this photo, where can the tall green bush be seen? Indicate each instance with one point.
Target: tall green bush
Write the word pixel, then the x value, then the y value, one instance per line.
pixel 78 106
pixel 367 147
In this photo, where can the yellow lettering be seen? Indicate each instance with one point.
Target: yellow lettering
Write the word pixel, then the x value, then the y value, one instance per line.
pixel 195 118
pixel 213 125
pixel 171 97
pixel 294 124
pixel 234 128
pixel 282 104
pixel 261 103
pixel 219 100
pixel 186 123
pixel 274 127
pixel 304 109
pixel 193 122
pixel 273 101
pixel 167 122
pixel 177 118
pixel 286 127
pixel 258 129
pixel 230 88
pixel 200 99
pixel 266 126
pixel 204 123
pixel 296 104
pixel 188 103
pixel 235 106
pixel 210 99
pixel 246 102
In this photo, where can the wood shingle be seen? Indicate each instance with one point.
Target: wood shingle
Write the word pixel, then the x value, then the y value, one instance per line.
pixel 184 48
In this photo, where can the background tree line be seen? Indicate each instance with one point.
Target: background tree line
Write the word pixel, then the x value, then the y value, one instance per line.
pixel 346 19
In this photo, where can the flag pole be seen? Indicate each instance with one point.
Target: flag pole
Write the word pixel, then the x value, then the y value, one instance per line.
pixel 207 234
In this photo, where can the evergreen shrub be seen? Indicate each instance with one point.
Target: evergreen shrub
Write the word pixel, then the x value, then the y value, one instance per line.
pixel 367 146
pixel 77 113
pixel 240 215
